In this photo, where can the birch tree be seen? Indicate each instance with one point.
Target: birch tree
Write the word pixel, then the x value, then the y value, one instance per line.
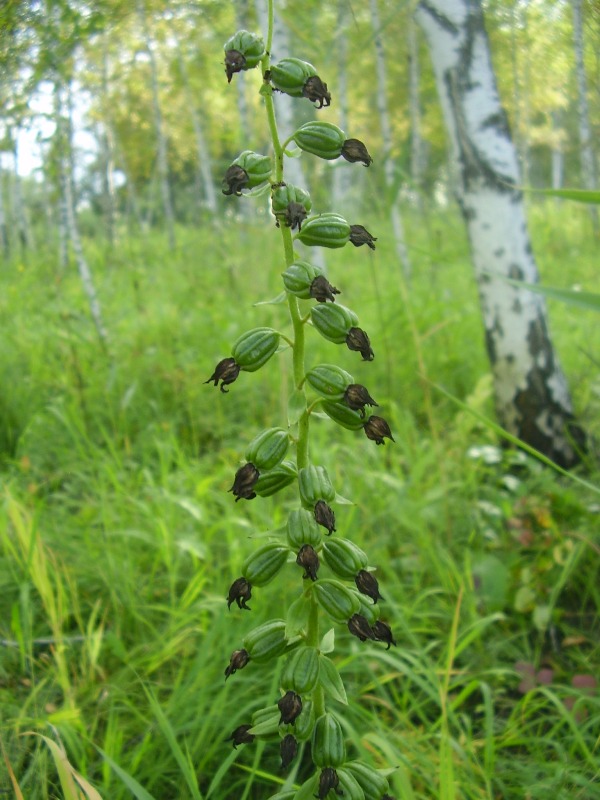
pixel 532 396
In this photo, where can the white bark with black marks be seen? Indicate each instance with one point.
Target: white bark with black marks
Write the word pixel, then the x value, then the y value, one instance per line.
pixel 532 396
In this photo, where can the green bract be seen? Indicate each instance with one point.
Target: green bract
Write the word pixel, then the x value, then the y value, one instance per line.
pixel 337 600
pixel 275 479
pixel 301 671
pixel 329 380
pixel 263 564
pixel 314 485
pixel 328 747
pixel 267 641
pixel 290 74
pixel 333 321
pixel 254 348
pixel 344 416
pixel 302 529
pixel 250 45
pixel 323 139
pixel 257 167
pixel 298 278
pixel 268 449
pixel 326 230
pixel 344 557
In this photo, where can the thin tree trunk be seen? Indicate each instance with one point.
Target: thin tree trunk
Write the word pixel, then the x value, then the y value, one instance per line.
pixel 342 177
pixel 588 164
pixel 106 140
pixel 66 183
pixel 386 133
pixel 4 240
pixel 161 141
pixel 414 105
pixel 21 216
pixel 558 156
pixel 532 396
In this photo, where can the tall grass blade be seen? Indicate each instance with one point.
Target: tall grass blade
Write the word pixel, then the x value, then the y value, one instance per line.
pixel 134 787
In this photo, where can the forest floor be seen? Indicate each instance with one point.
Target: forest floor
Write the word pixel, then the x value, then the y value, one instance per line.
pixel 119 540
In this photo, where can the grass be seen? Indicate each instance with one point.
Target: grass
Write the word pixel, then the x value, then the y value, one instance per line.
pixel 118 539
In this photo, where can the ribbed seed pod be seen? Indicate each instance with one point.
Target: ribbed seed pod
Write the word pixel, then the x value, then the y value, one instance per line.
pixel 344 558
pixel 266 641
pixel 344 416
pixel 254 348
pixel 275 479
pixel 263 564
pixel 314 485
pixel 337 600
pixel 301 671
pixel 329 380
pixel 290 75
pixel 322 139
pixel 333 321
pixel 373 783
pixel 298 278
pixel 327 230
pixel 268 449
pixel 328 747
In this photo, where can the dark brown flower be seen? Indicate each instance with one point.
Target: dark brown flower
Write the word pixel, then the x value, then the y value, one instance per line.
pixel 329 780
pixel 367 584
pixel 357 397
pixel 290 707
pixel 226 371
pixel 358 340
pixel 324 515
pixel 360 235
pixel 321 290
pixel 244 481
pixel 239 592
pixel 234 62
pixel 316 91
pixel 238 660
pixel 359 627
pixel 353 150
pixel 288 750
pixel 241 736
pixel 383 633
pixel 308 559
pixel 376 429
pixel 236 178
pixel 293 216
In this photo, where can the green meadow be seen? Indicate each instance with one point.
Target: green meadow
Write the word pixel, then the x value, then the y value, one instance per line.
pixel 119 539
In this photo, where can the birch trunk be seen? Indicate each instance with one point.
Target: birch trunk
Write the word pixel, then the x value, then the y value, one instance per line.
pixel 342 178
pixel 161 141
pixel 532 397
pixel 21 217
pixel 4 240
pixel 414 106
pixel 386 133
pixel 586 152
pixel 106 140
pixel 66 183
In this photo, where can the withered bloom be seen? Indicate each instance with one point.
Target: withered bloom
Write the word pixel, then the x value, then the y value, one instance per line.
pixel 234 62
pixel 240 592
pixel 358 340
pixel 241 736
pixel 293 216
pixel 238 660
pixel 235 180
pixel 288 750
pixel 290 707
pixel 244 481
pixel 367 584
pixel 360 235
pixel 353 150
pixel 316 91
pixel 376 429
pixel 308 559
pixel 359 627
pixel 329 780
pixel 226 371
pixel 322 290
pixel 324 515
pixel 383 633
pixel 357 397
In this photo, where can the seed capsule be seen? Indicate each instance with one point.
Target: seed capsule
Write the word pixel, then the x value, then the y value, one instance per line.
pixel 239 592
pixel 243 51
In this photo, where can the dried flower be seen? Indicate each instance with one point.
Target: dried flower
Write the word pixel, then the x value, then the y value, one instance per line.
pixel 359 627
pixel 240 592
pixel 354 150
pixel 321 290
pixel 244 481
pixel 367 584
pixel 236 178
pixel 316 91
pixel 234 62
pixel 376 429
pixel 290 707
pixel 226 371
pixel 360 235
pixel 293 216
pixel 358 340
pixel 324 515
pixel 288 750
pixel 357 397
pixel 329 780
pixel 308 558
pixel 241 736
pixel 238 660
pixel 383 633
